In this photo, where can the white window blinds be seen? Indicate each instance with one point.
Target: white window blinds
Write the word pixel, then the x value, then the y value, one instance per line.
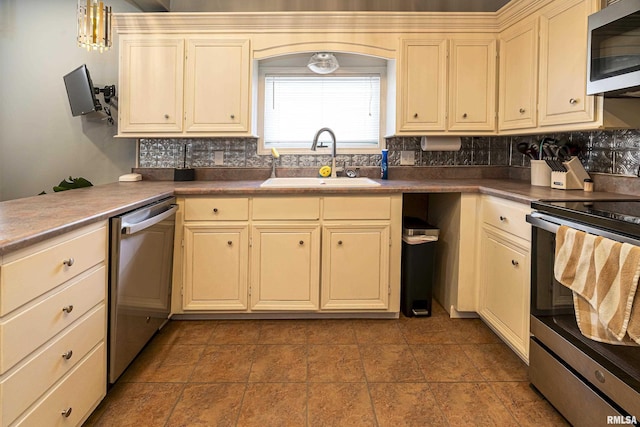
pixel 296 107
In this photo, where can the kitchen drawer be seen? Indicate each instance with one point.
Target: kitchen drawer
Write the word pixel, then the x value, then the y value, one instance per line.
pixel 42 321
pixel 216 209
pixel 24 386
pixel 81 391
pixel 286 208
pixel 357 207
pixel 28 277
pixel 506 215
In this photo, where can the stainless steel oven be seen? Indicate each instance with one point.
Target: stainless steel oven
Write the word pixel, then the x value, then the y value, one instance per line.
pixel 590 383
pixel 614 50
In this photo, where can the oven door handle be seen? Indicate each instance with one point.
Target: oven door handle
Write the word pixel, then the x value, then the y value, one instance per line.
pixel 134 228
pixel 552 224
pixel 542 222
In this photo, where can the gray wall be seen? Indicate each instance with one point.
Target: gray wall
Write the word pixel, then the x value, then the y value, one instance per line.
pixel 40 142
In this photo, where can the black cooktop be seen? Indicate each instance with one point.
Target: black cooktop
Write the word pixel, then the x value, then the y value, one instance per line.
pixel 621 215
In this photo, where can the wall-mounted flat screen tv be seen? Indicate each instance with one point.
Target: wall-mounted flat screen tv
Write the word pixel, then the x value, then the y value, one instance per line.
pixel 80 90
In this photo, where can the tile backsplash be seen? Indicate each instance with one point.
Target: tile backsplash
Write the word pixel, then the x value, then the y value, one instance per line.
pixel 611 152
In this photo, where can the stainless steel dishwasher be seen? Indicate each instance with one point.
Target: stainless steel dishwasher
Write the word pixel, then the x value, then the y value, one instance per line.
pixel 141 254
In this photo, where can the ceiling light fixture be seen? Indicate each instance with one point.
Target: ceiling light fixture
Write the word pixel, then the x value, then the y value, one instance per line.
pixel 323 63
pixel 94 25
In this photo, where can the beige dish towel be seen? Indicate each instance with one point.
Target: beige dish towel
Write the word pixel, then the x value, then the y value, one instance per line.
pixel 603 275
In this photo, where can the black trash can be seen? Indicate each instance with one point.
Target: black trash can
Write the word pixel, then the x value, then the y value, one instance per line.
pixel 418 266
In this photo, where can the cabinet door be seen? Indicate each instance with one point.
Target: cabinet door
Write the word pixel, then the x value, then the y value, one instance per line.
pixel 151 80
pixel 423 82
pixel 472 85
pixel 563 62
pixel 285 266
pixel 217 85
pixel 504 289
pixel 215 267
pixel 355 266
pixel 518 76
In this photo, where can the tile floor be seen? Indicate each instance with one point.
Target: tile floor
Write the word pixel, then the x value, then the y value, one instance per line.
pixel 432 371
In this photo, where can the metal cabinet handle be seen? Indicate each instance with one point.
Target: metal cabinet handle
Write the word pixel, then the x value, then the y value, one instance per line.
pixel 301 242
pixel 166 116
pixel 522 110
pixel 503 218
pixel 415 116
pixel 573 101
pixel 215 210
pixel 340 242
pixel 68 308
pixel 67 355
pixel 68 262
pixel 464 116
pixel 233 116
pixel 67 412
pixel 229 242
pixel 514 263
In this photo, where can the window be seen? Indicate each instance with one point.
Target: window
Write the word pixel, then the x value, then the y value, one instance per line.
pixel 295 106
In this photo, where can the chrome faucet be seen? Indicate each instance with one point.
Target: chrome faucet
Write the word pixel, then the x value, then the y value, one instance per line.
pixel 333 148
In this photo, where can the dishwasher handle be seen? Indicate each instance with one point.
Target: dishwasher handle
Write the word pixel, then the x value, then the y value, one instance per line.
pixel 142 225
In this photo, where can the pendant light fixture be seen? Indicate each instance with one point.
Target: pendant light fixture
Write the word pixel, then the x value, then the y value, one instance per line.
pixel 94 25
pixel 323 63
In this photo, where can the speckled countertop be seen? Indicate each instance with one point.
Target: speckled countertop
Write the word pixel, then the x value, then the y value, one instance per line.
pixel 33 219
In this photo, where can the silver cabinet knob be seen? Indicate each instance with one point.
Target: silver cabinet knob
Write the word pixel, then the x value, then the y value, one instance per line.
pixel 68 262
pixel 67 355
pixel 514 263
pixel 573 101
pixel 67 412
pixel 67 309
pixel 522 110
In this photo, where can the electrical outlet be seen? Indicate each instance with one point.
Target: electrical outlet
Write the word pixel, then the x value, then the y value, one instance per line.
pixel 218 158
pixel 407 158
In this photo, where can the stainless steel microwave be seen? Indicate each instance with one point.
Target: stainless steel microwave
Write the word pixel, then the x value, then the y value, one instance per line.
pixel 613 67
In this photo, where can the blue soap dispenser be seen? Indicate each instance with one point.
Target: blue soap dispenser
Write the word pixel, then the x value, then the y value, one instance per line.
pixel 384 164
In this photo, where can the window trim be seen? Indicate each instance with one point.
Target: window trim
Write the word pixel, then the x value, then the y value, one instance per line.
pixel 300 71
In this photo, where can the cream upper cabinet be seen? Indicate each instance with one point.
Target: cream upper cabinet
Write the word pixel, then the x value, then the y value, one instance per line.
pixel 422 101
pixel 172 86
pixel 217 85
pixel 151 85
pixel 472 85
pixel 447 85
pixel 504 269
pixel 518 76
pixel 285 266
pixel 355 268
pixel 563 62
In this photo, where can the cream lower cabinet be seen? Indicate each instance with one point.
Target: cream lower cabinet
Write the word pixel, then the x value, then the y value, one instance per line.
pixel 285 266
pixel 504 268
pixel 215 268
pixel 355 267
pixel 53 323
pixel 214 240
pixel 288 253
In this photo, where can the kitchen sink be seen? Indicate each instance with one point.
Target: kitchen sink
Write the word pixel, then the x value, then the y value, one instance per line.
pixel 306 182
